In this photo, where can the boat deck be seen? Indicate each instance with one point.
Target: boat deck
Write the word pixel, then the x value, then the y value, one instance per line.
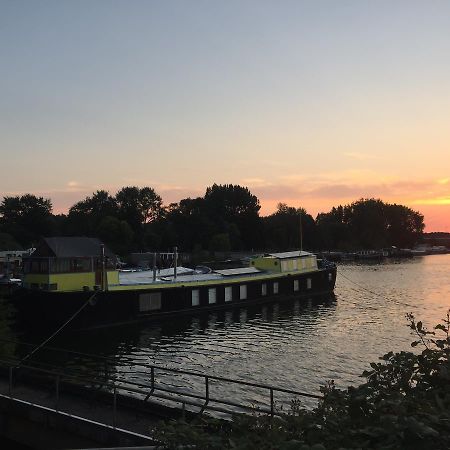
pixel 184 275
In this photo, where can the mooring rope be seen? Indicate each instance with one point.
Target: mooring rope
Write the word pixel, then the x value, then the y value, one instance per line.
pixel 360 285
pixel 376 294
pixel 75 314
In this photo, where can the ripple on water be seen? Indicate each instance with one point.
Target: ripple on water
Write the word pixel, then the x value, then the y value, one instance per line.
pixel 296 345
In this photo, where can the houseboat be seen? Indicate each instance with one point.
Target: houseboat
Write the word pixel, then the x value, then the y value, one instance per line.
pixel 73 275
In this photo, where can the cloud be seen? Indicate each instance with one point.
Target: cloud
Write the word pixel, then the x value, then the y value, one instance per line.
pixel 315 193
pixel 360 156
pixel 254 182
pixel 320 193
pixel 433 201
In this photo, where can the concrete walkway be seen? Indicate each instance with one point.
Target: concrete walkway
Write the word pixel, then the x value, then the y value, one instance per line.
pixel 80 418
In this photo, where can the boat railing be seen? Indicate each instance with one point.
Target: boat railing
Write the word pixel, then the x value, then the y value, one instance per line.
pixel 170 387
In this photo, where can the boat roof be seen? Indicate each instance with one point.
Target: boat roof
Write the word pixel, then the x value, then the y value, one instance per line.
pixel 146 276
pixel 183 275
pixel 71 247
pixel 294 254
pixel 237 271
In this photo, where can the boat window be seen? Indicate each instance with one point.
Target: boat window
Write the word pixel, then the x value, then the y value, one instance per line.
pixel 61 265
pixel 330 277
pixel 195 297
pixel 296 285
pixel 303 263
pixel 264 289
pixel 228 293
pixel 295 264
pixel 81 265
pixel 243 291
pixel 212 295
pixel 26 267
pixel 275 287
pixel 284 266
pixel 149 301
pixel 308 283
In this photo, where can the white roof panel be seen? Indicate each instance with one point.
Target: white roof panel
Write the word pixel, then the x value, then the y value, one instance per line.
pixel 237 271
pixel 146 276
pixel 295 254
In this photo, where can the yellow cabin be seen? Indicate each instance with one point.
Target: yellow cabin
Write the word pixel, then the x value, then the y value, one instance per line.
pixel 66 264
pixel 296 261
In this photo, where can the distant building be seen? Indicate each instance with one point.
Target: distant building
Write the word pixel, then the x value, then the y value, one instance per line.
pixel 437 239
pixel 11 261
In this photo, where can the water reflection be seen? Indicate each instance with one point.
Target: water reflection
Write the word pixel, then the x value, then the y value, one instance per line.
pixel 297 344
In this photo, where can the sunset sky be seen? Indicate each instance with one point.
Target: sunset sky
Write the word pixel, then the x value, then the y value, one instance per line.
pixel 312 103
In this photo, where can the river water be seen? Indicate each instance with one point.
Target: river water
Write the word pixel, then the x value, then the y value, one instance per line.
pixel 295 345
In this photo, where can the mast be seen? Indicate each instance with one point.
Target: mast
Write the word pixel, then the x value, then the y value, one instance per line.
pixel 175 257
pixel 301 233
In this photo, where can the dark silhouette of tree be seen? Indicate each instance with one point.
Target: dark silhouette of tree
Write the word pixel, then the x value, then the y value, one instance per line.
pixel 7 242
pixel 226 218
pixel 190 224
pixel 369 224
pixel 366 219
pixel 333 232
pixel 138 207
pixel 26 218
pixel 233 204
pixel 115 233
pixel 85 216
pixel 289 228
pixel 404 226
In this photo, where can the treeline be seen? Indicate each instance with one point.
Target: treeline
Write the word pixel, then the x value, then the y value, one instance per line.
pixel 225 218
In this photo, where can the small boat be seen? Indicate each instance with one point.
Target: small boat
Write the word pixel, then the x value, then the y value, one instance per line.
pixel 68 274
pixel 8 285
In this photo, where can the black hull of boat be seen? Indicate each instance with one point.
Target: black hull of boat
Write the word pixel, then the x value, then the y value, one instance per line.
pixel 50 310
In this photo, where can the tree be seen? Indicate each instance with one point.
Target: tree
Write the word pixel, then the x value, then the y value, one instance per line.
pixel 220 242
pixel 333 230
pixel 117 234
pixel 233 204
pixel 369 224
pixel 190 223
pixel 85 216
pixel 7 242
pixel 405 226
pixel 26 218
pixel 289 228
pixel 138 206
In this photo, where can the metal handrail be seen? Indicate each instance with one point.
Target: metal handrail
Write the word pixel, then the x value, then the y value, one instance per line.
pixel 114 383
pixel 177 371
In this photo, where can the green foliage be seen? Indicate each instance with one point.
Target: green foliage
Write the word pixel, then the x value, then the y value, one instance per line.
pixel 232 207
pixel 404 403
pixel 26 218
pixel 7 242
pixel 226 217
pixel 369 224
pixel 220 242
pixel 85 216
pixel 289 228
pixel 115 233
